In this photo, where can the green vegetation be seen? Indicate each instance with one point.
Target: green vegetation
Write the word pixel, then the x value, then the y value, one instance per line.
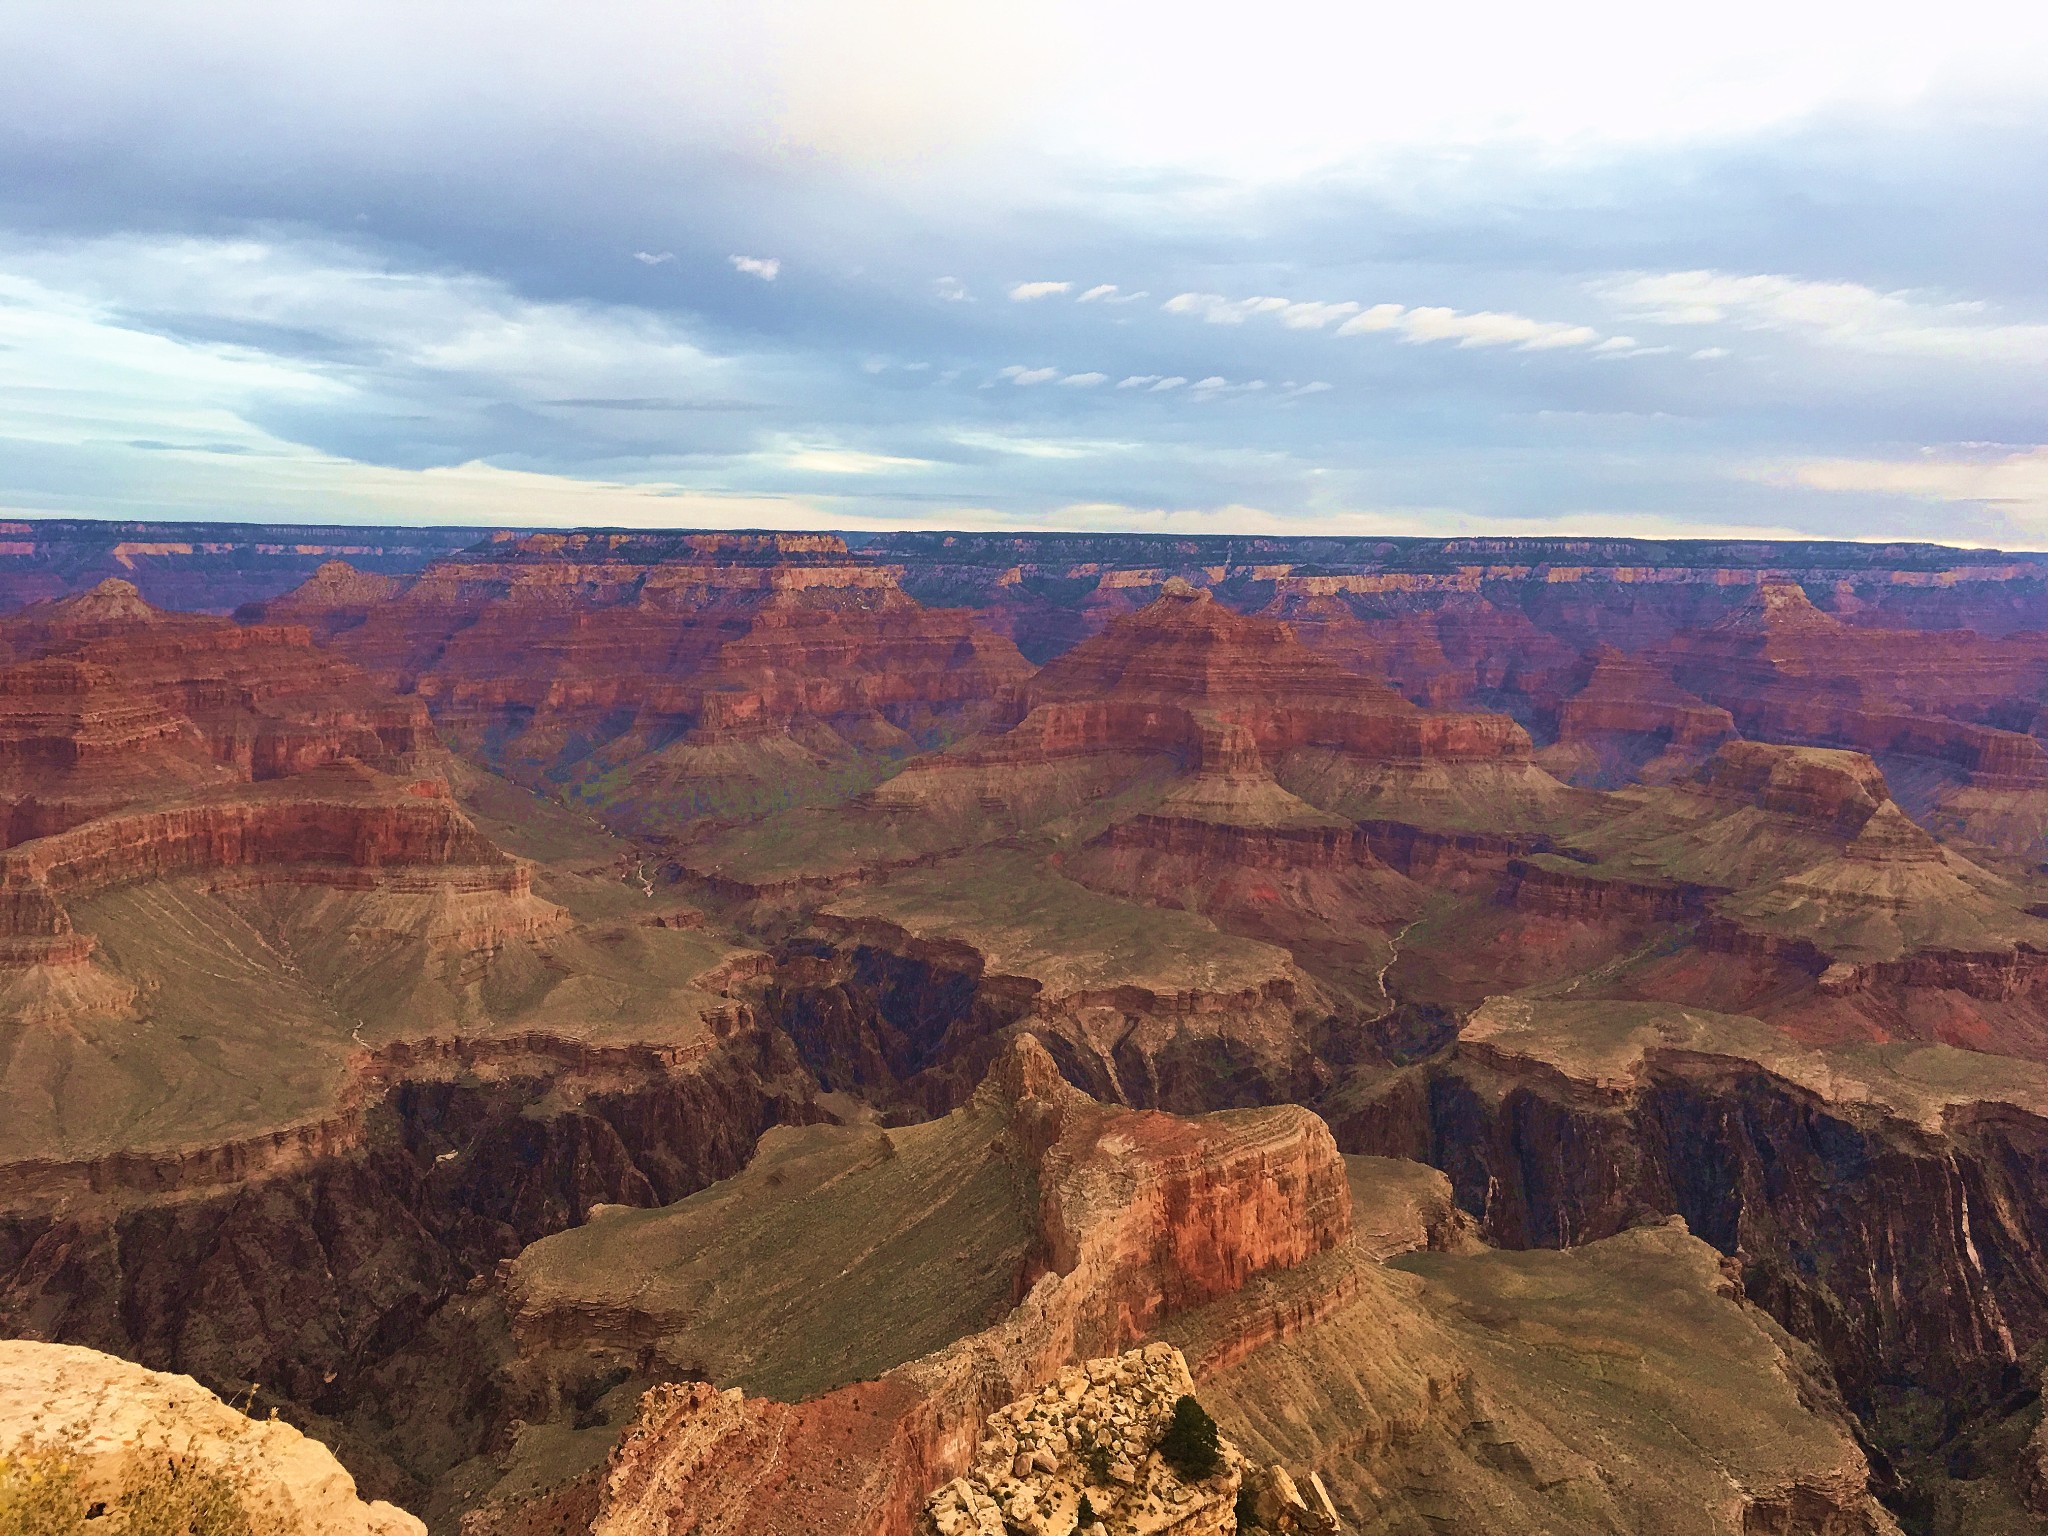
pixel 1189 1443
pixel 1097 1459
pixel 43 1493
pixel 40 1495
pixel 1084 1514
pixel 1247 1510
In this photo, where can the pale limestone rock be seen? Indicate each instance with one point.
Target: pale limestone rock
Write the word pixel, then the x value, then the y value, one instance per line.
pixel 1091 1432
pixel 115 1417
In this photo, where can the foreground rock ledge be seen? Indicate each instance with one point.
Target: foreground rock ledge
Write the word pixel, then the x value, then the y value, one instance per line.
pixel 117 1421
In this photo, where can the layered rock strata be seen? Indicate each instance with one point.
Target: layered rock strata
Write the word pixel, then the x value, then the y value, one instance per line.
pixel 1140 1215
pixel 669 676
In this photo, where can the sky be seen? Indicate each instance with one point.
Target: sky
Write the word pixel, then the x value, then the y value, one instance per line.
pixel 1768 269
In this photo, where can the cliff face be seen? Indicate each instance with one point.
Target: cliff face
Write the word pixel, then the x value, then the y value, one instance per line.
pixel 260 701
pixel 1139 1214
pixel 1787 671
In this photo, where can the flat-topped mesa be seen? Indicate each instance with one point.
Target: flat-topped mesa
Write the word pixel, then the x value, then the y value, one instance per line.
pixel 402 851
pixel 1184 651
pixel 1626 719
pixel 1836 791
pixel 1140 1215
pixel 737 548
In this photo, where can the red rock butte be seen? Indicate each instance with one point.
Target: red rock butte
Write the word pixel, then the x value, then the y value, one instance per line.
pixel 559 655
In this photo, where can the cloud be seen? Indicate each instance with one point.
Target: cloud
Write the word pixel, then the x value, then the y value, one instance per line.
pixel 1217 310
pixel 1027 447
pixel 1294 391
pixel 1084 380
pixel 1024 292
pixel 653 258
pixel 2015 483
pixel 1175 381
pixel 951 289
pixel 763 267
pixel 1137 381
pixel 1017 373
pixel 1708 354
pixel 1485 328
pixel 1902 322
pixel 327 347
pixel 1381 317
pixel 1482 328
pixel 1109 293
pixel 813 458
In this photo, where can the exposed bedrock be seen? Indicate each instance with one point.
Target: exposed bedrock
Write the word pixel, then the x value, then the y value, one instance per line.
pixel 916 1021
pixel 1907 1249
pixel 346 1283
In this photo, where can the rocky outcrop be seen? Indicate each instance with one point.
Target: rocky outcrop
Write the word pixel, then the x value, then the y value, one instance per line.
pixel 1141 1215
pixel 1787 671
pixel 138 746
pixel 260 700
pixel 199 567
pixel 932 971
pixel 105 1431
pixel 345 827
pixel 1093 1434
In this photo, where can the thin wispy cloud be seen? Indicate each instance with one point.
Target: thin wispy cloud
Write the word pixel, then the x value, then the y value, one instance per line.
pixel 766 268
pixel 1848 315
pixel 1024 293
pixel 1427 323
pixel 653 258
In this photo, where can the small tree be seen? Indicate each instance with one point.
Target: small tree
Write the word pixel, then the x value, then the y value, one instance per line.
pixel 1248 1509
pixel 1084 1514
pixel 1190 1440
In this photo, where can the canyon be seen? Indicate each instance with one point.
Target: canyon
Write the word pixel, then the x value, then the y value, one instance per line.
pixel 736 1032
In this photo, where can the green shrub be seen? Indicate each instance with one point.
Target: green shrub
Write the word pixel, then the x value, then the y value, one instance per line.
pixel 1189 1443
pixel 1084 1514
pixel 40 1495
pixel 176 1498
